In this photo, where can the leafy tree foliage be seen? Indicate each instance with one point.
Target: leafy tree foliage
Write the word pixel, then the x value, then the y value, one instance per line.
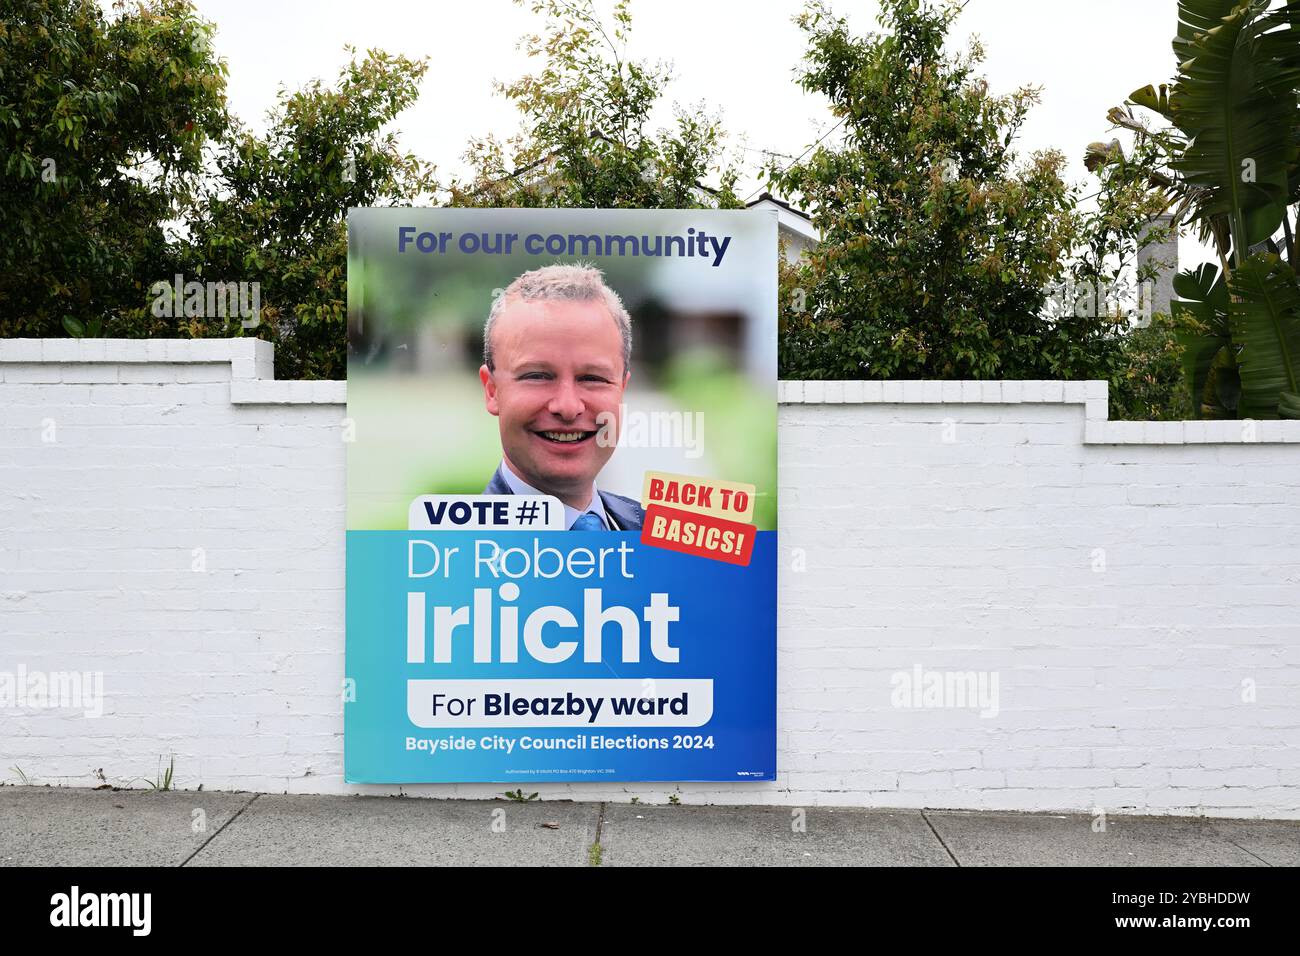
pixel 122 168
pixel 103 121
pixel 1228 132
pixel 276 212
pixel 586 138
pixel 1148 384
pixel 937 244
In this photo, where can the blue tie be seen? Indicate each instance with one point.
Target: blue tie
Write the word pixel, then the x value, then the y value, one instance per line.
pixel 588 522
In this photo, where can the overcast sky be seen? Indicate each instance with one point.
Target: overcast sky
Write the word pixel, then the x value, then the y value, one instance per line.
pixel 735 56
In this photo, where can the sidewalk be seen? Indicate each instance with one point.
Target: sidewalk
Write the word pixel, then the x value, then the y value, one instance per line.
pixel 67 827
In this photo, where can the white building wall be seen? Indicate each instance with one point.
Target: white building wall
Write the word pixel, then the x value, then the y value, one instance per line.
pixel 172 518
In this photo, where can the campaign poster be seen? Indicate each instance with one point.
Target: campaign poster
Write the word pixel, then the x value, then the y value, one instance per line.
pixel 561 495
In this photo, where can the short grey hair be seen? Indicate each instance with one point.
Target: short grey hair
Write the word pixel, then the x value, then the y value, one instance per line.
pixel 560 283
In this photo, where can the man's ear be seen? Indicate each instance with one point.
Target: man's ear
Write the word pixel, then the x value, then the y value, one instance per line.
pixel 489 389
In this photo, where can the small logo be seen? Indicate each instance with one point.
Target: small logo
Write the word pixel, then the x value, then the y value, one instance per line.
pixel 75 908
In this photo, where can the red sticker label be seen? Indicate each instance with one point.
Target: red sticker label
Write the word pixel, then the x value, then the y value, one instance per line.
pixel 703 535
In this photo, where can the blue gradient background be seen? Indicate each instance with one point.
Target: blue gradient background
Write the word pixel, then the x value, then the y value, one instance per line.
pixel 726 632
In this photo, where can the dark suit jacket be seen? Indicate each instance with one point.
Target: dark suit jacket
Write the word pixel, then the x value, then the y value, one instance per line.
pixel 626 512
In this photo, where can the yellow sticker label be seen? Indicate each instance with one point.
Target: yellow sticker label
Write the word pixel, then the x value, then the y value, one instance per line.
pixel 733 500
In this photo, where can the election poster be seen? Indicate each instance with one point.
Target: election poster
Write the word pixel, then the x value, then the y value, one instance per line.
pixel 561 495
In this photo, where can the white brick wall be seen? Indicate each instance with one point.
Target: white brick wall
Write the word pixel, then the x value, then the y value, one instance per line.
pixel 1134 588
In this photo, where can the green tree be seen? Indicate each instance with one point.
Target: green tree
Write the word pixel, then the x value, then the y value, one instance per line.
pixel 1120 223
pixel 103 120
pixel 275 212
pixel 937 244
pixel 1149 385
pixel 586 138
pixel 1104 278
pixel 1229 132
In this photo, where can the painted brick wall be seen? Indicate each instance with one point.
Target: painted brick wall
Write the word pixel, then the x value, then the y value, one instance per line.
pixel 1125 595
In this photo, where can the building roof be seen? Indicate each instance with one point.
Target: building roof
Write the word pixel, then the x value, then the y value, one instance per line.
pixel 788 217
pixel 779 203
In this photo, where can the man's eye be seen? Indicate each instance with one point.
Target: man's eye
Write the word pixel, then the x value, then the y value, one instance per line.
pixel 534 376
pixel 593 378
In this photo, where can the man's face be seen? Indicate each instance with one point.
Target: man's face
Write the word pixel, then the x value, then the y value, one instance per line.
pixel 559 366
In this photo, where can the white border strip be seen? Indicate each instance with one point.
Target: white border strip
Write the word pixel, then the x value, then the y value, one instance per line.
pixel 252 364
pixel 1093 396
pixel 252 382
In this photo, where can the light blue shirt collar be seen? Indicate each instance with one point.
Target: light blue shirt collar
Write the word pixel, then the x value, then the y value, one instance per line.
pixel 597 507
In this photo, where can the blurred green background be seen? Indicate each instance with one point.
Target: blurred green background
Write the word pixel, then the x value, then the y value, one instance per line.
pixel 704 340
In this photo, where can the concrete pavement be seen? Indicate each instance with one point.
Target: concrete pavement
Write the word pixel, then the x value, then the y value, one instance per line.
pixel 69 827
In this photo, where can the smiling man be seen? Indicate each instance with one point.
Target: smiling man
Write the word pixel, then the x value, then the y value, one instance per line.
pixel 556 348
